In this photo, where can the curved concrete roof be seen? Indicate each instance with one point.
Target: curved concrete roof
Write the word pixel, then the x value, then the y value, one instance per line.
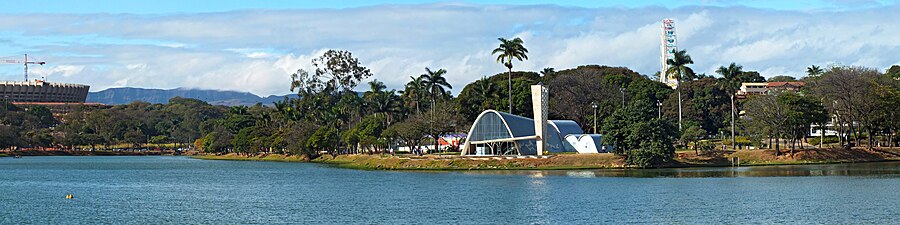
pixel 512 126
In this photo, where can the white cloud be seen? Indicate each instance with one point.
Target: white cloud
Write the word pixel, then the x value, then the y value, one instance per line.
pixel 257 50
pixel 53 71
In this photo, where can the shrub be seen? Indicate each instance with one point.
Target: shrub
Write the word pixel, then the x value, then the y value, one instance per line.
pixel 828 140
pixel 706 148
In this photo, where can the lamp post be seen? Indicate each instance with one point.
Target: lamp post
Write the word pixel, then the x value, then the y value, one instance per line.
pixel 659 109
pixel 594 105
pixel 622 89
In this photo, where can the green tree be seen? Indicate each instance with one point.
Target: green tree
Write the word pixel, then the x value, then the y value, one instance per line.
pixel 691 135
pixel 782 79
pixel 411 132
pixel 506 52
pixel 380 101
pixel 814 71
pixel 678 68
pixel 800 112
pixel 414 92
pixel 324 139
pixel 242 141
pixel 485 90
pixel 767 113
pixel 640 136
pixel 730 85
pixel 548 71
pixel 435 84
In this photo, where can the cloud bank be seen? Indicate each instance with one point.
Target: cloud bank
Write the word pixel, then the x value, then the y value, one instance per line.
pixel 257 50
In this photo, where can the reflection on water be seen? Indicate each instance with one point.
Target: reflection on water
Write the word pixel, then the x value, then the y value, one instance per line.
pixel 854 169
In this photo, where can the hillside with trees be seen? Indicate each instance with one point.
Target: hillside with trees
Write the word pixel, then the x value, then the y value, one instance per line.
pixel 639 116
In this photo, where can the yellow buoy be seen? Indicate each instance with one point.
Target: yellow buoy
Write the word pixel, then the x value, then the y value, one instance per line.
pixel 70 196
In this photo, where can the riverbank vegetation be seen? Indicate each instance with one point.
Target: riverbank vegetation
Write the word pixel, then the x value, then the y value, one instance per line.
pixel 643 119
pixel 574 161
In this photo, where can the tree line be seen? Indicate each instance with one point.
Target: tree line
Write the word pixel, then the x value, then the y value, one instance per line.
pixel 637 115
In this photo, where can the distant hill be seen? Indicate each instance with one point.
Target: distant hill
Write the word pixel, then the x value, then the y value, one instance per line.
pixel 125 95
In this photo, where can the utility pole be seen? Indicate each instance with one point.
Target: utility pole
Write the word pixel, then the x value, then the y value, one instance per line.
pixel 659 108
pixel 679 110
pixel 733 144
pixel 594 105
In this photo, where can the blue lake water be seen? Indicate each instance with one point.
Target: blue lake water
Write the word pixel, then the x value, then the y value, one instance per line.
pixel 181 190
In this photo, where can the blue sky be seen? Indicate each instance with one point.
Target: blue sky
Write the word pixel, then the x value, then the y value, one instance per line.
pixel 181 6
pixel 254 45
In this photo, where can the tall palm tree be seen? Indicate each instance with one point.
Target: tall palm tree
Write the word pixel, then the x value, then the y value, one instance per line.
pixel 414 91
pixel 435 84
pixel 506 52
pixel 678 68
pixel 814 71
pixel 730 84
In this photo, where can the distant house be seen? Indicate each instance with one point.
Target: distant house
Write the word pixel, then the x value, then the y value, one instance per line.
pixel 760 88
pixel 752 89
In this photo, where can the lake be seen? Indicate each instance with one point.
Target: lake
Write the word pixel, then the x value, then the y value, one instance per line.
pixel 180 190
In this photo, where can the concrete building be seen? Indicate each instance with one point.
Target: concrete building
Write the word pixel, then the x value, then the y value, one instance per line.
pixel 760 88
pixel 752 89
pixel 40 91
pixel 500 133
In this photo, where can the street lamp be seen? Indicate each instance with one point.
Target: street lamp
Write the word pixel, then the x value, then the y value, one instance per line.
pixel 659 104
pixel 594 105
pixel 622 89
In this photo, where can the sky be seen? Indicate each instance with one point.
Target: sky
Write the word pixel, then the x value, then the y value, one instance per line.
pixel 254 46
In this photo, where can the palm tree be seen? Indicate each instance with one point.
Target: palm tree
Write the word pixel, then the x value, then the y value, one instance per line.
pixel 376 86
pixel 414 91
pixel 509 50
pixel 381 101
pixel 548 71
pixel 814 71
pixel 678 68
pixel 434 83
pixel 485 90
pixel 730 84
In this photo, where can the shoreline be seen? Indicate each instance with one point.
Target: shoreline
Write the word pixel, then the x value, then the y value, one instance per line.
pixel 574 161
pixel 552 162
pixel 89 153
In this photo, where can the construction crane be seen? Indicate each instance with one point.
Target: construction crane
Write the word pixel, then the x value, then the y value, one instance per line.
pixel 25 62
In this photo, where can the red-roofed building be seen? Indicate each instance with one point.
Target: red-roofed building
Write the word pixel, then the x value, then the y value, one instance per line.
pixel 785 86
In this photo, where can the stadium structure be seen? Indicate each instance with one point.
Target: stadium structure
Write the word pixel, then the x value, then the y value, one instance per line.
pixel 39 91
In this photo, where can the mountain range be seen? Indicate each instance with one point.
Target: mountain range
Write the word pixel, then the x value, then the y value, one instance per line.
pixel 125 95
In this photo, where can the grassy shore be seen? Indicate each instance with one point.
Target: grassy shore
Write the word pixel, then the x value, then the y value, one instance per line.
pixel 805 156
pixel 267 157
pixel 576 161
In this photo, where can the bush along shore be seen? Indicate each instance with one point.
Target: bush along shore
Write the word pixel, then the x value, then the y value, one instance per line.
pixel 92 153
pixel 575 161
